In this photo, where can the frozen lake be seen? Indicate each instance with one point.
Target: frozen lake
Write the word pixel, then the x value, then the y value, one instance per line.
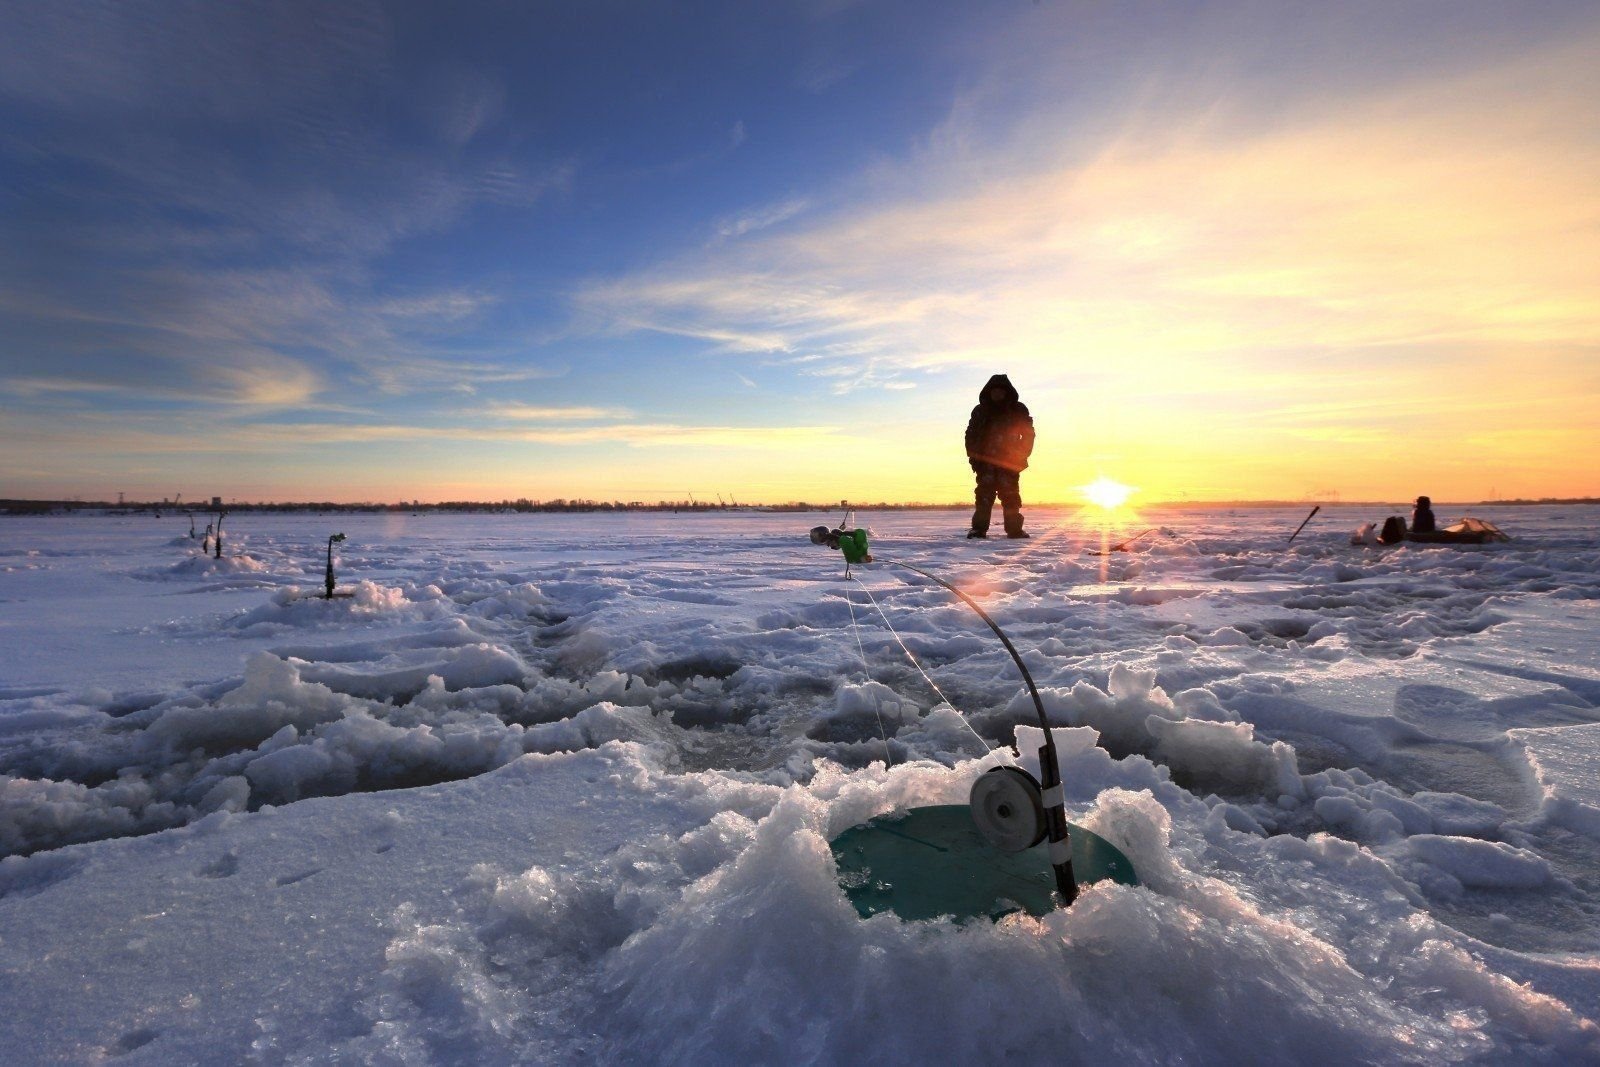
pixel 551 788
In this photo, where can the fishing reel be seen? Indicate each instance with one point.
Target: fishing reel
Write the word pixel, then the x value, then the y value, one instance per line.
pixel 1008 809
pixel 852 542
pixel 1013 812
pixel 822 535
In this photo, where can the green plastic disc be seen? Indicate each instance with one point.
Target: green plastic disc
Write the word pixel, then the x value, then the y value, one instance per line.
pixel 930 862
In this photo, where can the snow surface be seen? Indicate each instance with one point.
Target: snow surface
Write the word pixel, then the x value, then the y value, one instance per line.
pixel 559 788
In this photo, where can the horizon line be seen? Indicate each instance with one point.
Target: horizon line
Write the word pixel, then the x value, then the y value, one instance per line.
pixel 12 505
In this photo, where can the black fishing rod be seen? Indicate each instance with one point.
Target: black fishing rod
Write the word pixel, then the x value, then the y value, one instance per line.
pixel 1004 797
pixel 1302 525
pixel 327 578
pixel 1123 547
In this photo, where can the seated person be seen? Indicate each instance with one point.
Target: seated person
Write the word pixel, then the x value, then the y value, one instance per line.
pixel 1422 516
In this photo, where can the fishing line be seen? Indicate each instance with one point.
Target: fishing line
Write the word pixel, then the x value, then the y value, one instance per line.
pixel 866 669
pixel 918 665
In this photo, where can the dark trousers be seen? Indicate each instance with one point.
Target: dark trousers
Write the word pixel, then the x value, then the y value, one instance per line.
pixel 993 482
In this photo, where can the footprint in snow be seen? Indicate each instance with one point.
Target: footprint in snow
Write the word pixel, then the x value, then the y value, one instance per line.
pixel 132 1040
pixel 290 879
pixel 224 866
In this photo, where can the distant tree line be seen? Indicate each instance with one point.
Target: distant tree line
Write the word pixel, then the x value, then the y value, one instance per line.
pixel 526 505
pixel 521 504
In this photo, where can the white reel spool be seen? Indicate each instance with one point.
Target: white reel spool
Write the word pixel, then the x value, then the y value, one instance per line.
pixel 1008 809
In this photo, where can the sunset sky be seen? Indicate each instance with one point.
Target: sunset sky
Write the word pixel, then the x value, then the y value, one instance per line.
pixel 630 250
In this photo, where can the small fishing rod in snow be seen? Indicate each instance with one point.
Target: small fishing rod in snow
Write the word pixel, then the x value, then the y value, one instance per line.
pixel 327 578
pixel 1302 525
pixel 1012 810
pixel 1123 546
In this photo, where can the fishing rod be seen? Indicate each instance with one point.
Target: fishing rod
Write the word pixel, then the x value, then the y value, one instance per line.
pixel 1012 810
pixel 1123 547
pixel 1302 525
pixel 327 579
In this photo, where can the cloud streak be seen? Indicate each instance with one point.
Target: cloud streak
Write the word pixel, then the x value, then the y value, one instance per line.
pixel 547 413
pixel 735 226
pixel 99 434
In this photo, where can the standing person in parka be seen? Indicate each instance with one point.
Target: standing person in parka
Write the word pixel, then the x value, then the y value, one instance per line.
pixel 999 442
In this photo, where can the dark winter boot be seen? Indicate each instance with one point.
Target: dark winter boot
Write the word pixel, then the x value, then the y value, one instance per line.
pixel 974 535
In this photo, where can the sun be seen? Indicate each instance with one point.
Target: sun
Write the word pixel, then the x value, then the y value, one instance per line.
pixel 1107 493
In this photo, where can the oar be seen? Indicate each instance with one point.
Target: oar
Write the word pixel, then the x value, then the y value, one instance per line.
pixel 1302 526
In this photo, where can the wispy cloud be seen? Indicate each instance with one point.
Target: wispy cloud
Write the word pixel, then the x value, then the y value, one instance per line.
pixel 201 335
pixel 444 306
pixel 823 71
pixel 264 380
pixel 735 226
pixel 547 413
pixel 99 433
pixel 463 102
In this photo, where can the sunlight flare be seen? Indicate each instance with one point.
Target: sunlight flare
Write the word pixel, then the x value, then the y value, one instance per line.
pixel 1107 493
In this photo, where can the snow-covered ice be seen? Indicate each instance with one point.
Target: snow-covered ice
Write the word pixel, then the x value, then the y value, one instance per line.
pixel 559 788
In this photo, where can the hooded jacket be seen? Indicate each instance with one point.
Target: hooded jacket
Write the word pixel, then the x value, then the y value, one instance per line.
pixel 1000 433
pixel 1422 516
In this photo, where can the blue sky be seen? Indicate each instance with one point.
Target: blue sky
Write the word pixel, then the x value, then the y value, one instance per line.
pixel 629 250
